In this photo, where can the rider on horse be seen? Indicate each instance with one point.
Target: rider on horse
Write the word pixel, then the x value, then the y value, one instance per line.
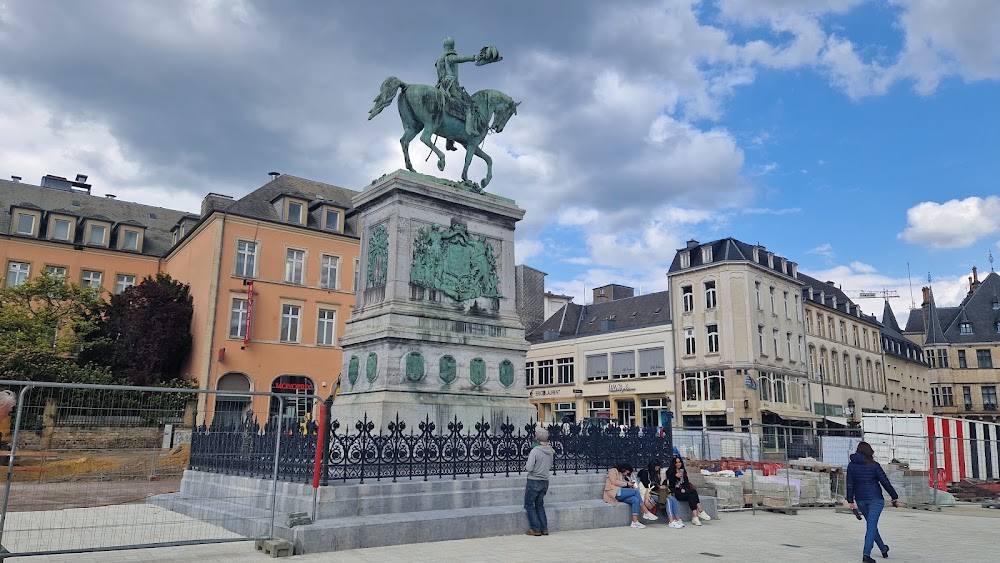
pixel 457 99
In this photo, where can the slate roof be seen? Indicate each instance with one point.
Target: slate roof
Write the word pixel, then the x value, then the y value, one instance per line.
pixel 727 250
pixel 889 320
pixel 829 290
pixel 156 240
pixel 574 320
pixel 257 204
pixel 977 309
pixel 890 330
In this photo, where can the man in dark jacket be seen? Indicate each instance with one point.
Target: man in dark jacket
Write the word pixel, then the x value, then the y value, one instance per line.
pixel 538 466
pixel 865 481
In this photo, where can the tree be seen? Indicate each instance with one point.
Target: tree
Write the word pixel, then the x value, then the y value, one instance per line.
pixel 145 336
pixel 48 313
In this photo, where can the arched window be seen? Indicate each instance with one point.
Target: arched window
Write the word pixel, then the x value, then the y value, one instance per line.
pixel 765 386
pixel 847 370
pixel 231 409
pixel 834 372
pixel 715 386
pixel 294 407
pixel 780 389
pixel 689 387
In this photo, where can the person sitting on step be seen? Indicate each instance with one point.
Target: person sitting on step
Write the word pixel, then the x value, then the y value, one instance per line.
pixel 677 480
pixel 619 487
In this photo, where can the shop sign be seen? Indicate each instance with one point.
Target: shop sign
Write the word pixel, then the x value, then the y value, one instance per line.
pixel 620 388
pixel 544 393
pixel 704 405
pixel 292 387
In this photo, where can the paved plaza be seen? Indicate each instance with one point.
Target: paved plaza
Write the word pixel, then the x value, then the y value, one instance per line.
pixel 964 533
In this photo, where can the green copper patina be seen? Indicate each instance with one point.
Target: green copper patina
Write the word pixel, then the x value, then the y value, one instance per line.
pixel 456 263
pixel 506 373
pixel 371 367
pixel 477 371
pixel 448 369
pixel 378 256
pixel 414 366
pixel 448 111
pixel 352 369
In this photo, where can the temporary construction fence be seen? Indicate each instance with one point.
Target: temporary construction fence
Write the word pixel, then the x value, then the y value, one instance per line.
pixel 92 468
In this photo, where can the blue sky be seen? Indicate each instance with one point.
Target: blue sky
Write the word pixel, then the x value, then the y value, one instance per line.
pixel 853 136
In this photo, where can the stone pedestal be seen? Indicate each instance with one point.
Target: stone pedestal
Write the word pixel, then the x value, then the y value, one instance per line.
pixel 435 331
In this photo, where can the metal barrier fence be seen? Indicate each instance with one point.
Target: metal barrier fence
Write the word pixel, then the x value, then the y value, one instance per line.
pixel 98 468
pixel 404 451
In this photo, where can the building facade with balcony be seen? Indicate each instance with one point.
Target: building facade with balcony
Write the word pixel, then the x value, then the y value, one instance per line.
pixel 608 360
pixel 740 350
pixel 962 347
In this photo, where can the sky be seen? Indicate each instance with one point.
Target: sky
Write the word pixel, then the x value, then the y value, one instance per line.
pixel 857 138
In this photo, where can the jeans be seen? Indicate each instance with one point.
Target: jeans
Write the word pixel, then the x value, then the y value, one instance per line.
pixel 534 504
pixel 631 496
pixel 673 508
pixel 872 509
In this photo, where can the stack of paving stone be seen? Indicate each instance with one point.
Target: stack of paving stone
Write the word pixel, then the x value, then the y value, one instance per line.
pixel 728 491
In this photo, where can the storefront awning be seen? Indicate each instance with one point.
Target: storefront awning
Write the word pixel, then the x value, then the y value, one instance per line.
pixel 837 420
pixel 794 415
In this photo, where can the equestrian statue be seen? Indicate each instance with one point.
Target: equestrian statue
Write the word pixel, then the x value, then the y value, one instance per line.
pixel 447 110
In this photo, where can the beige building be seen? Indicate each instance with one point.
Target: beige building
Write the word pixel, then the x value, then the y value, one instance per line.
pixel 844 350
pixel 906 371
pixel 608 360
pixel 962 347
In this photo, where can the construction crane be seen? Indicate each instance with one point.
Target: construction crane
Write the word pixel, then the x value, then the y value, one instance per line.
pixel 878 294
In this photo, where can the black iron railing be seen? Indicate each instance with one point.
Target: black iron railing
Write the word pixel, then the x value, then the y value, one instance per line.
pixel 363 451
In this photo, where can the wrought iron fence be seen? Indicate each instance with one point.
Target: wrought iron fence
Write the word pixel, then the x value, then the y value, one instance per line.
pixel 363 451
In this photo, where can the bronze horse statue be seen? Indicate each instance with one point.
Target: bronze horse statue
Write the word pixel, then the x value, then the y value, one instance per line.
pixel 423 110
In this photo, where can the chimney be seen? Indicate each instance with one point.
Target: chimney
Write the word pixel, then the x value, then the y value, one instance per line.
pixel 214 201
pixel 974 281
pixel 926 291
pixel 82 178
pixel 692 244
pixel 15 178
pixel 274 175
pixel 926 306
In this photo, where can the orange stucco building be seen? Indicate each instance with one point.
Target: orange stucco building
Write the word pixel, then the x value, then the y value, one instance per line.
pixel 272 275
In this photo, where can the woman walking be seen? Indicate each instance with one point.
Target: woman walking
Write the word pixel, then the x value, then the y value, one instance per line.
pixel 865 481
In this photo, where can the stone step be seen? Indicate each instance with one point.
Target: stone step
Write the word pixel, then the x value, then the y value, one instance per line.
pixel 234 517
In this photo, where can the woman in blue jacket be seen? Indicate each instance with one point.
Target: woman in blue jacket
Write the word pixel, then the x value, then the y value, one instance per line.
pixel 865 481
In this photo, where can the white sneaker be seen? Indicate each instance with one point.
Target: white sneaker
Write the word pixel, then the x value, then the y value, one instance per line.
pixel 638 525
pixel 703 516
pixel 649 516
pixel 676 524
pixel 696 521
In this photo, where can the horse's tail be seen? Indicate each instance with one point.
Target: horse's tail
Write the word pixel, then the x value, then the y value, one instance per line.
pixel 386 94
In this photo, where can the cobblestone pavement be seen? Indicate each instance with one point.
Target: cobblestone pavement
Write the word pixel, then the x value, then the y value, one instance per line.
pixel 964 533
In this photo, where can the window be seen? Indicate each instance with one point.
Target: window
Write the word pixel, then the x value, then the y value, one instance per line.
pixel 545 372
pixel 942 358
pixel 843 332
pixel 847 370
pixel 984 359
pixel 756 286
pixel 809 322
pixel 713 338
pixel 357 274
pixel 131 241
pixel 764 383
pixel 967 396
pixel 784 296
pixel 774 337
pixel 246 259
pixel 597 367
pixel 123 282
pixel 685 260
pixel 998 327
pixel 996 304
pixel 91 278
pixel 295 212
pixel 291 315
pixel 564 370
pixel 329 265
pixel 690 388
pixel 598 407
pixel 858 373
pixel 780 388
pixel 990 397
pixel 865 333
pixel 942 397
pixel 689 343
pixel 965 328
pixel 56 271
pixel 651 362
pixel 829 328
pixel 97 233
pixel 623 365
pixel 715 386
pixel 529 374
pixel 788 338
pixel 687 298
pixel 774 310
pixel 60 229
pixel 238 319
pixel 331 220
pixel 797 308
pixel 710 298
pixel 706 254
pixel 854 330
pixel 326 327
pixel 25 224
pixel 760 339
pixel 295 261
pixel 17 273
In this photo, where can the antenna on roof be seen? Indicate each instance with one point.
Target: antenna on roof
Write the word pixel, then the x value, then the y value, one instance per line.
pixel 909 278
pixel 991 259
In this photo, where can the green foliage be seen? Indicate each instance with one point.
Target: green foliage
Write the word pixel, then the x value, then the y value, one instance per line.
pixel 48 313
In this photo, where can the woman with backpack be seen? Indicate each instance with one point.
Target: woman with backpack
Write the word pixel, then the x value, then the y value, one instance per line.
pixel 865 481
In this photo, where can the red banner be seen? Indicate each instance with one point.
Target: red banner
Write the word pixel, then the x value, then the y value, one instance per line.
pixel 246 333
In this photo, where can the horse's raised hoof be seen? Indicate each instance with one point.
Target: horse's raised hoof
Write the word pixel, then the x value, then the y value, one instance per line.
pixel 441 164
pixel 485 182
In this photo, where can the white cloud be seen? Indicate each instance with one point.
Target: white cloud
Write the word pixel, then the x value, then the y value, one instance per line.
pixel 825 250
pixel 577 216
pixel 863 268
pixel 769 211
pixel 952 224
pixel 526 249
